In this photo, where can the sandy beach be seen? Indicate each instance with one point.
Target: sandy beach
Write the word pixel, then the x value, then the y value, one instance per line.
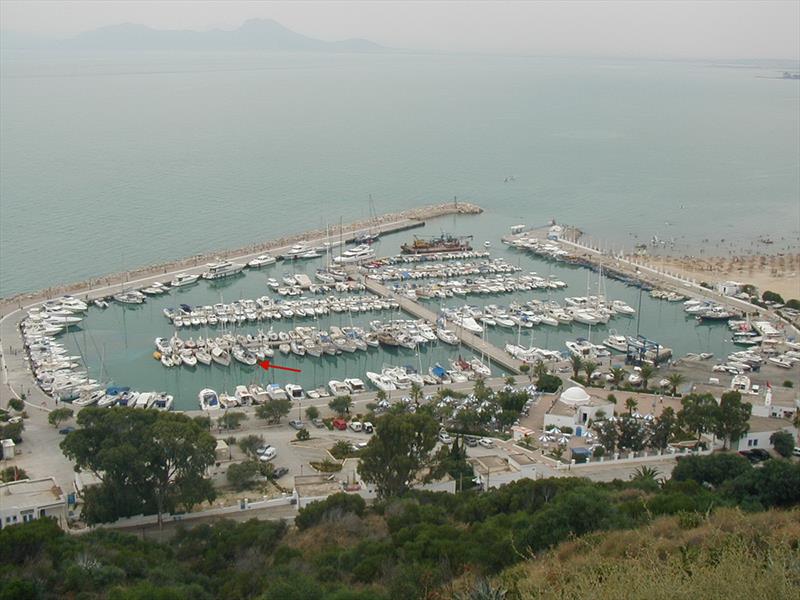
pixel 775 272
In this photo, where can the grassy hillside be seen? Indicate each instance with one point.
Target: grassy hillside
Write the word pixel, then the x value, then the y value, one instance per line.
pixel 725 556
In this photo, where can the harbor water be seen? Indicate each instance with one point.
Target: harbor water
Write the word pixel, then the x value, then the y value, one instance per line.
pixel 118 342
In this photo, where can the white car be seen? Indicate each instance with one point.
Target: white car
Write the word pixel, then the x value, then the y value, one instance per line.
pixel 356 426
pixel 486 442
pixel 445 438
pixel 266 453
pixel 368 427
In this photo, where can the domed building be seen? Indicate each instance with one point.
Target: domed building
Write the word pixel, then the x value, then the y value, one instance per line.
pixel 574 409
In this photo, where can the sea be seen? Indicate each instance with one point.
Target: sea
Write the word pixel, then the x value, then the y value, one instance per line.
pixel 112 162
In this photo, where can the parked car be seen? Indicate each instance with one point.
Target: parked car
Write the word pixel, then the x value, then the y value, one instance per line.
pixel 266 453
pixel 297 424
pixel 471 440
pixel 279 472
pixel 339 424
pixel 756 455
pixel 318 423
pixel 796 451
pixel 66 430
pixel 356 426
pixel 486 442
pixel 445 438
pixel 368 427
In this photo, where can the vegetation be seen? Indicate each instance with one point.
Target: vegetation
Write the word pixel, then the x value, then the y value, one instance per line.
pixel 303 435
pixel 783 442
pixel 12 474
pixel 12 431
pixel 16 404
pixel 684 538
pixel 312 412
pixel 59 415
pixel 249 444
pixel 548 383
pixel 400 449
pixel 231 420
pixel 769 296
pixel 675 380
pixel 242 475
pixel 577 364
pixel 274 410
pixel 147 462
pixel 341 405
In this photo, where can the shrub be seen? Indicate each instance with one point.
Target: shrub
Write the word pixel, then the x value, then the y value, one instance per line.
pixel 303 435
pixel 788 383
pixel 548 383
pixel 16 404
pixel 769 296
pixel 713 469
pixel 783 442
pixel 335 505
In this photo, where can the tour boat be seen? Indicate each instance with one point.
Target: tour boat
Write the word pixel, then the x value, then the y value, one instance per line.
pixel 222 269
pixel 355 385
pixel 616 342
pixel 355 255
pixel 262 261
pixel 338 388
pixel 380 381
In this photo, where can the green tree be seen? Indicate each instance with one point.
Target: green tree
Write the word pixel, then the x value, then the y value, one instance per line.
pixel 312 412
pixel 381 395
pixel 231 419
pixel 400 450
pixel 242 475
pixel 59 415
pixel 769 296
pixel 631 405
pixel 731 418
pixel 646 373
pixel 16 404
pixel 341 405
pixel 675 380
pixel 539 369
pixel 525 369
pixel 697 413
pixel 334 506
pixel 662 428
pixel 645 474
pixel 303 435
pixel 12 431
pixel 12 474
pixel 250 443
pixel 576 363
pixel 274 410
pixel 589 367
pixel 149 461
pixel 415 393
pixel 783 442
pixel 713 469
pixel 632 433
pixel 608 435
pixel 617 376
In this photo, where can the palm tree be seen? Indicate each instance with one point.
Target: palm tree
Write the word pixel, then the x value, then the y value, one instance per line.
pixel 617 376
pixel 539 369
pixel 646 373
pixel 675 379
pixel 577 363
pixel 631 404
pixel 381 395
pixel 589 367
pixel 645 473
pixel 416 393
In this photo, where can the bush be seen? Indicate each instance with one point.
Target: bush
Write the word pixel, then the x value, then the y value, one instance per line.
pixel 16 404
pixel 713 469
pixel 783 442
pixel 548 383
pixel 788 383
pixel 242 475
pixel 303 435
pixel 769 296
pixel 793 303
pixel 335 505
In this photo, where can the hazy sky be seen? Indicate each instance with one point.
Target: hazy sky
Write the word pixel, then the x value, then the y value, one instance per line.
pixel 668 29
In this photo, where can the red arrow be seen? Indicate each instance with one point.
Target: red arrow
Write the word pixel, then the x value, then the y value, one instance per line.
pixel 267 366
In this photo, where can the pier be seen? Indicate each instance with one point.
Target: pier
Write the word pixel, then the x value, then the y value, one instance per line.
pixel 493 354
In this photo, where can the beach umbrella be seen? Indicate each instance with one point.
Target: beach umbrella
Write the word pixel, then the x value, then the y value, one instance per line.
pixel 563 440
pixel 545 438
pixel 555 430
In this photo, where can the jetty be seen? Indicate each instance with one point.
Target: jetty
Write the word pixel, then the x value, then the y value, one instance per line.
pixel 493 354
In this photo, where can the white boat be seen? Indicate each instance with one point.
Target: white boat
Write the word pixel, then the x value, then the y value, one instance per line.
pixel 338 388
pixel 222 269
pixel 276 392
pixel 621 308
pixel 243 396
pixel 144 400
pixel 155 289
pixel 355 255
pixel 132 297
pixel 183 279
pixel 208 399
pixel 447 336
pixel 381 381
pixel 188 358
pixel 220 356
pixel 262 261
pixel 259 393
pixel 294 391
pixel 244 356
pixel 581 348
pixel 203 356
pixel 479 368
pixel 355 385
pixel 616 341
pixel 163 401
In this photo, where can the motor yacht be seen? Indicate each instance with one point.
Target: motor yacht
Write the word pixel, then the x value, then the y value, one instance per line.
pixel 243 396
pixel 338 388
pixel 381 381
pixel 222 269
pixel 276 392
pixel 183 279
pixel 262 261
pixel 155 289
pixel 616 342
pixel 581 348
pixel 355 385
pixel 294 391
pixel 355 255
pixel 209 400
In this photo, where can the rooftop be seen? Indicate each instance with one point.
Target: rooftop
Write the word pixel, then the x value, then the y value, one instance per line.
pixel 762 424
pixel 29 493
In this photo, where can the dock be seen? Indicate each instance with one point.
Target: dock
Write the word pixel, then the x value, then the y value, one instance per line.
pixel 493 354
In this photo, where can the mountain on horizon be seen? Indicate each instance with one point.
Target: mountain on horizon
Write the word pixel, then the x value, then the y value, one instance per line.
pixel 254 34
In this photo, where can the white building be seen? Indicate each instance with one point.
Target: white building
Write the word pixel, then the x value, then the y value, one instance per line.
pixel 575 408
pixel 26 500
pixel 761 429
pixel 729 288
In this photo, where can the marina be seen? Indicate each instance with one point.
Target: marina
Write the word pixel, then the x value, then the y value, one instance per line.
pixel 380 316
